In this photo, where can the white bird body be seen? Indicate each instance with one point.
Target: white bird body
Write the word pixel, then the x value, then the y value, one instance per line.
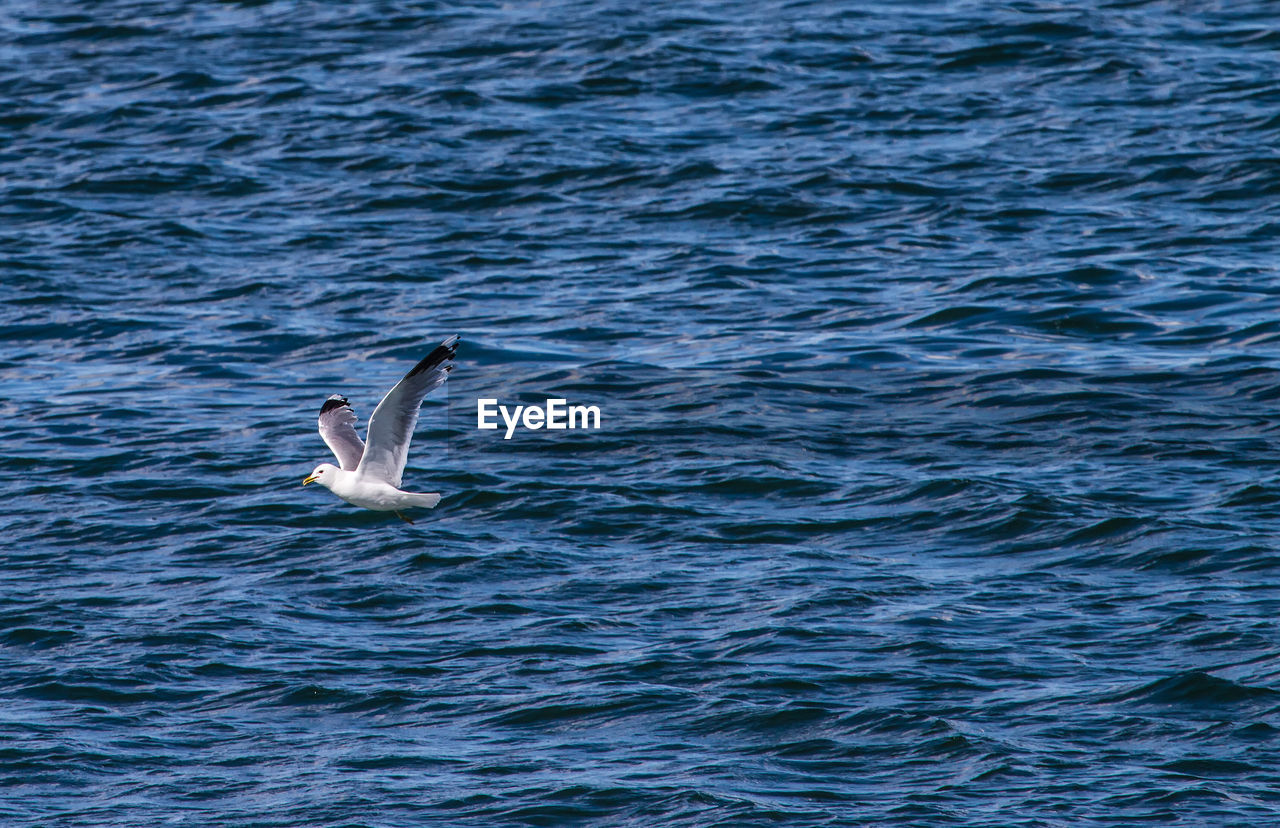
pixel 370 494
pixel 369 475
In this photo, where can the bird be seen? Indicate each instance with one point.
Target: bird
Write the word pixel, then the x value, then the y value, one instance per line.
pixel 368 474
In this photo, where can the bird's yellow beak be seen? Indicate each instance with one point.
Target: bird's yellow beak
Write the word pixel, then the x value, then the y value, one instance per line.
pixel 311 478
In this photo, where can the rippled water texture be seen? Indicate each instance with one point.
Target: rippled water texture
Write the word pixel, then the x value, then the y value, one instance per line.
pixel 937 349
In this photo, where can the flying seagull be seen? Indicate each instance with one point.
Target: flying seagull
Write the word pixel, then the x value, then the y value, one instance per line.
pixel 370 472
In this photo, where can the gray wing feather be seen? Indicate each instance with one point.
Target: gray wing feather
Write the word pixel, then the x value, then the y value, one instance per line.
pixel 392 423
pixel 338 429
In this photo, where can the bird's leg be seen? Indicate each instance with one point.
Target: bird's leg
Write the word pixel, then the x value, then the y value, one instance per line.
pixel 405 519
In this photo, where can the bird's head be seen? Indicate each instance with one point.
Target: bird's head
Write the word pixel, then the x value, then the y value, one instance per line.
pixel 324 474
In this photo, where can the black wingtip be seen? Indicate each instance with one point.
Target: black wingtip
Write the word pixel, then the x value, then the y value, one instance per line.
pixel 335 401
pixel 443 352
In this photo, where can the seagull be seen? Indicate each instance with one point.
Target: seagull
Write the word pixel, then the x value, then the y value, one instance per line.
pixel 369 473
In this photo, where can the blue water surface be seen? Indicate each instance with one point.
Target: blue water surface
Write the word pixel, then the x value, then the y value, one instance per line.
pixel 937 347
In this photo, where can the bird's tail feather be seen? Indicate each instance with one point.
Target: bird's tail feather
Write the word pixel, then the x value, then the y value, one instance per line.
pixel 423 501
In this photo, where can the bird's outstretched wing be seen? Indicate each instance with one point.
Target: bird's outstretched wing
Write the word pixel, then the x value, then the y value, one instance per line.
pixel 338 428
pixel 391 426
